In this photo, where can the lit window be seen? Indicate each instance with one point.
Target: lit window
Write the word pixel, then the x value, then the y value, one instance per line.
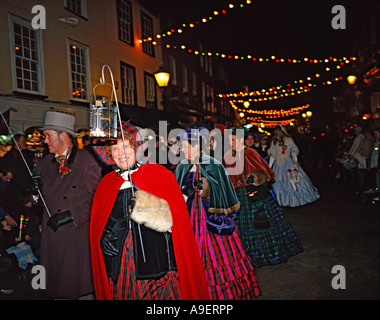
pixel 79 74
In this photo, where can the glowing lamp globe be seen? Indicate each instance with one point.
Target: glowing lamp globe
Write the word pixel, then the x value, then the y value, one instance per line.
pixel 162 77
pixel 351 79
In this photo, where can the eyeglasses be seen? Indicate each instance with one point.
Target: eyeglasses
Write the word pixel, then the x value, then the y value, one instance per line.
pixel 48 137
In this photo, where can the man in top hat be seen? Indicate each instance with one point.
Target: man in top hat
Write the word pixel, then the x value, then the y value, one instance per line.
pixel 69 178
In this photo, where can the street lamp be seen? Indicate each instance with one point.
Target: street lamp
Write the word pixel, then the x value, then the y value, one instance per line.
pixel 162 77
pixel 351 79
pixel 305 125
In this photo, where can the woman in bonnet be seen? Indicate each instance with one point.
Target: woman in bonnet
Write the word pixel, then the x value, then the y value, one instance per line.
pixel 293 187
pixel 266 233
pixel 212 206
pixel 142 243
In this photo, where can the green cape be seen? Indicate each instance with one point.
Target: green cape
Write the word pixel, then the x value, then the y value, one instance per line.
pixel 222 195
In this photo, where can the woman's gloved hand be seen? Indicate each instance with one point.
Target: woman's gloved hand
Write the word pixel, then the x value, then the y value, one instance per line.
pixel 189 192
pixel 106 243
pixel 199 184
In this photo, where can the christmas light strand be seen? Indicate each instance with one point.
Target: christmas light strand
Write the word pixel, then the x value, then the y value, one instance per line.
pixel 269 118
pixel 252 58
pixel 278 91
pixel 273 113
pixel 270 124
pixel 287 92
pixel 210 17
pixel 276 94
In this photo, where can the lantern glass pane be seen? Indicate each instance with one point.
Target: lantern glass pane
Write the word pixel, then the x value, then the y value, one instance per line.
pixel 103 120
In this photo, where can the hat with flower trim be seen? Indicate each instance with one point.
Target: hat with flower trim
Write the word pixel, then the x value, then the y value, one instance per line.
pixel 133 132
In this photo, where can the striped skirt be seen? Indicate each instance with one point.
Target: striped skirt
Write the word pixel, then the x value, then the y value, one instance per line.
pixel 128 287
pixel 228 269
pixel 265 246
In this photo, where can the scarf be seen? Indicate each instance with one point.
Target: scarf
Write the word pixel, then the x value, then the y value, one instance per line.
pixel 63 158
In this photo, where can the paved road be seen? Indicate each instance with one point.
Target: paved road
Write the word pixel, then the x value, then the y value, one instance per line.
pixel 338 229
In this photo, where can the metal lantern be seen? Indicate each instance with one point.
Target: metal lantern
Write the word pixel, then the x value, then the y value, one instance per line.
pixel 103 118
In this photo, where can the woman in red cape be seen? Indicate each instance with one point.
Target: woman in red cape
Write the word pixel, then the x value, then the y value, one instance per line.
pixel 185 280
pixel 266 233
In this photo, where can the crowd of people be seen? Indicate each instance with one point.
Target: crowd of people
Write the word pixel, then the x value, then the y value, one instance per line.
pixel 109 226
pixel 350 153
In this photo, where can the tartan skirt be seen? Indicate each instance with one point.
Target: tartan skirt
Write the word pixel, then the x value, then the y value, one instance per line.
pixel 265 246
pixel 128 287
pixel 228 269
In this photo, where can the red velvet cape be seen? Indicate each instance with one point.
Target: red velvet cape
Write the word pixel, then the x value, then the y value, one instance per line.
pixel 160 182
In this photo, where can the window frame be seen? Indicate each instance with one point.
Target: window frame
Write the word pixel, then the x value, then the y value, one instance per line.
pixel 134 90
pixel 82 14
pixel 173 70
pixel 147 46
pixel 150 76
pixel 82 46
pixel 39 55
pixel 193 83
pixel 118 14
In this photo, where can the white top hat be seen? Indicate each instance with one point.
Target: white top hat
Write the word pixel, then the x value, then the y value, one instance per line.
pixel 59 121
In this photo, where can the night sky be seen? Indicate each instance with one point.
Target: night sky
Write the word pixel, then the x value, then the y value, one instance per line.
pixel 285 29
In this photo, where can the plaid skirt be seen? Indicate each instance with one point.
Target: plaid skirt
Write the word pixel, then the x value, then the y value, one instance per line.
pixel 128 287
pixel 268 246
pixel 228 269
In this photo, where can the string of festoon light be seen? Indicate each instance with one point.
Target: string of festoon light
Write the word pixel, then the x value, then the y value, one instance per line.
pixel 283 93
pixel 270 124
pixel 275 92
pixel 273 113
pixel 254 58
pixel 250 57
pixel 269 118
pixel 205 19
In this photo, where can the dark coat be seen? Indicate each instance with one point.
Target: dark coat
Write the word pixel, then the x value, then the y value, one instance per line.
pixel 20 185
pixel 65 254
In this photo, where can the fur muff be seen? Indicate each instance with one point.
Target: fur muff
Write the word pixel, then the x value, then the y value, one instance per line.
pixel 151 211
pixel 205 192
pixel 259 177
